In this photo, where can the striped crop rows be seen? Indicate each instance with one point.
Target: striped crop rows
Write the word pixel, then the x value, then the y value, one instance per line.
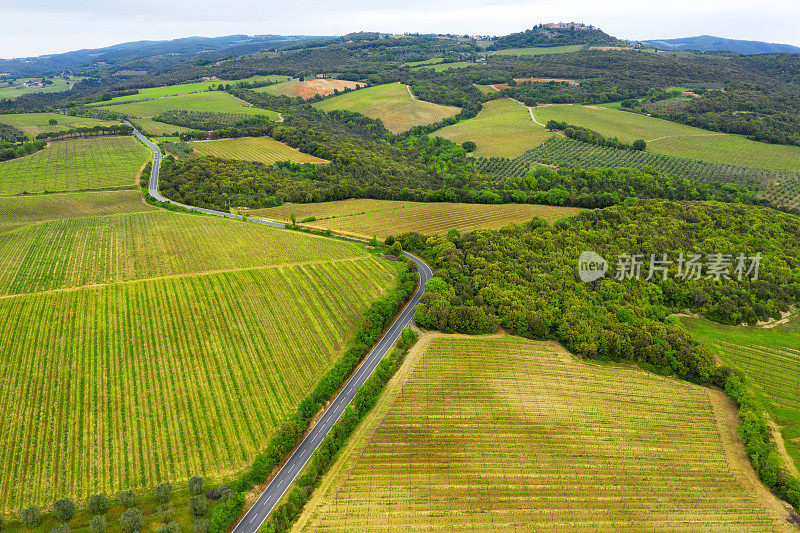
pixel 781 186
pixel 261 149
pixel 130 384
pixel 74 252
pixel 506 434
pixel 75 164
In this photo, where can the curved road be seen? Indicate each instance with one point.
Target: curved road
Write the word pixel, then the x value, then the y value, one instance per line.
pixel 261 509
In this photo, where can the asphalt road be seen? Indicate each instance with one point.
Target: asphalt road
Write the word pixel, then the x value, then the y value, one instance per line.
pixel 261 509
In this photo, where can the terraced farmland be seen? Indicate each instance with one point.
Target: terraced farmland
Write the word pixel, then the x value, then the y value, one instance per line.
pixel 670 138
pixel 130 384
pixel 214 101
pixel 261 149
pixel 505 434
pixel 35 123
pixel 75 164
pixel 771 359
pixel 503 128
pixel 392 103
pixel 86 251
pixel 385 217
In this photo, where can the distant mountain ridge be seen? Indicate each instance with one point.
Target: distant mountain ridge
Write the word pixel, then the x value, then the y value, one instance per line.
pixel 709 43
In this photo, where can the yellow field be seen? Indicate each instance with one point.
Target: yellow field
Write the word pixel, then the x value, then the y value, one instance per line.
pixel 503 128
pixel 393 104
pixel 506 434
pixel 366 218
pixel 260 149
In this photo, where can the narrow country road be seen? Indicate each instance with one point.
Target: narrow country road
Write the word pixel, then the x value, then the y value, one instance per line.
pixel 280 484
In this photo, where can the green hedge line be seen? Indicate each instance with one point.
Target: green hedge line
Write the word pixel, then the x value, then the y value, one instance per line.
pixel 365 399
pixel 375 319
pixel 758 444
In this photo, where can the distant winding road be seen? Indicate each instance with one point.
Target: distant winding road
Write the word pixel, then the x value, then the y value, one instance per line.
pixel 268 499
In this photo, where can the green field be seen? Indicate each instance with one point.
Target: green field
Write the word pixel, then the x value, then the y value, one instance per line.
pixel 20 210
pixel 261 149
pixel 538 50
pixel 213 101
pixel 770 357
pixel 186 88
pixel 506 434
pixel 157 129
pixel 503 128
pixel 392 103
pixel 59 84
pixel 75 164
pixel 34 123
pixel 366 218
pixel 153 345
pixel 670 138
pixel 439 67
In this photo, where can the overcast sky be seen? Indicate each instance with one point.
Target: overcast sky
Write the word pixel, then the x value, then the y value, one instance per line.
pixel 47 26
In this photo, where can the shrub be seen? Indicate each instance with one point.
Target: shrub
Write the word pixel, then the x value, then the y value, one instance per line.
pixel 127 498
pixel 311 218
pixel 98 524
pixel 172 527
pixel 131 520
pixel 164 491
pixel 213 494
pixel 166 513
pixel 31 516
pixel 639 144
pixel 198 505
pixel 61 528
pixel 201 526
pixel 98 504
pixel 469 146
pixel 195 485
pixel 223 514
pixel 64 509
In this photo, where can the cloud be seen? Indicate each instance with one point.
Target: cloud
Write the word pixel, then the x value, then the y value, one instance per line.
pixel 48 26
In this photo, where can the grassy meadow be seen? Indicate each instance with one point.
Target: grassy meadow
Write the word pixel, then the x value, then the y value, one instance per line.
pixel 35 123
pixel 75 164
pixel 382 218
pixel 770 357
pixel 671 138
pixel 16 89
pixel 22 210
pixel 260 149
pixel 392 103
pixel 506 434
pixel 213 101
pixel 503 128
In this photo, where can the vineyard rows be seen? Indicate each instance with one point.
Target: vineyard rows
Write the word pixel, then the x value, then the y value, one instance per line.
pixel 507 434
pixel 80 251
pixel 261 149
pixel 130 384
pixel 74 165
pixel 780 186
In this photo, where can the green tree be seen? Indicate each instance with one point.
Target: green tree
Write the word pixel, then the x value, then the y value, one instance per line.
pixel 127 498
pixel 639 144
pixel 469 146
pixel 373 241
pixel 195 485
pixel 64 509
pixel 52 122
pixel 293 218
pixel 98 524
pixel 31 516
pixel 164 491
pixel 396 249
pixel 198 505
pixel 172 527
pixel 98 504
pixel 131 520
pixel 201 525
